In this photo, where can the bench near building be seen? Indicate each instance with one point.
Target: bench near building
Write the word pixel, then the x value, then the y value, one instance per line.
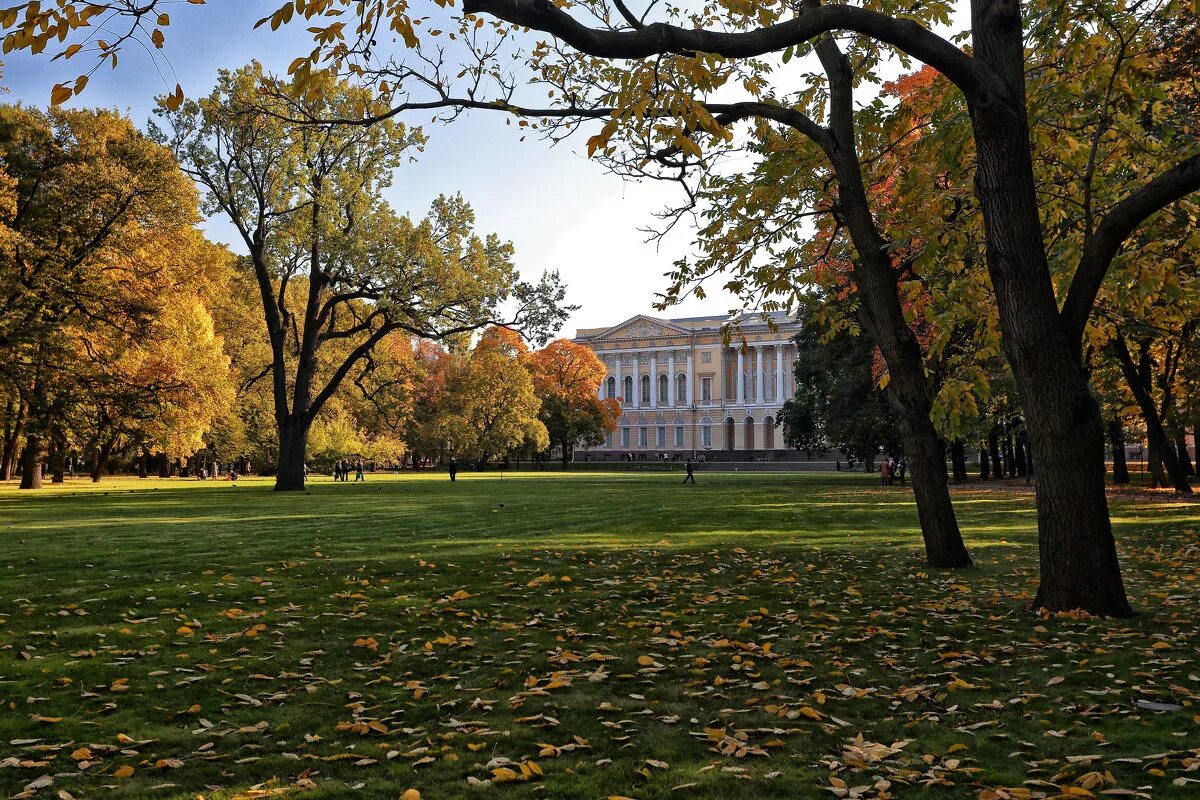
pixel 684 393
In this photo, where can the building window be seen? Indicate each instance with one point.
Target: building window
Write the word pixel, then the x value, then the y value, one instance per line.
pixel 706 390
pixel 625 437
pixel 641 437
pixel 679 436
pixel 608 441
pixel 628 388
pixel 769 433
pixel 680 389
pixel 612 388
pixel 706 435
pixel 662 388
pixel 660 436
pixel 645 388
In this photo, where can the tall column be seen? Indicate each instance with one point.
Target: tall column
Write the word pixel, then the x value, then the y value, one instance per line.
pixel 672 400
pixel 741 378
pixel 654 380
pixel 637 389
pixel 779 375
pixel 758 375
pixel 691 378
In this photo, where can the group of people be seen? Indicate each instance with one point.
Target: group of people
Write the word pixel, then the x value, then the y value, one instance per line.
pixel 891 469
pixel 341 470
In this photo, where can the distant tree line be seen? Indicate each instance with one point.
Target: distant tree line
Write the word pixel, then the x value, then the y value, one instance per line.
pixel 128 341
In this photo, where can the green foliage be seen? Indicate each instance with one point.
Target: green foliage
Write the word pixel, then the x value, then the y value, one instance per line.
pixel 838 403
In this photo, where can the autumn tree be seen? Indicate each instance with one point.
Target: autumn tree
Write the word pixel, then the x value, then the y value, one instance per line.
pixel 567 378
pixel 654 78
pixel 490 407
pixel 305 200
pixel 100 226
pixel 838 404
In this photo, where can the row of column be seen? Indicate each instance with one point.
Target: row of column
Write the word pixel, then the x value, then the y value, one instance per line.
pixel 672 397
pixel 759 375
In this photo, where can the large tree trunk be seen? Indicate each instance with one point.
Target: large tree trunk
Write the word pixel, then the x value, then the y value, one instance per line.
pixel 926 454
pixel 102 456
pixel 1077 553
pixel 1138 377
pixel 56 459
pixel 143 463
pixel 1154 462
pixel 293 441
pixel 14 421
pixel 994 454
pixel 883 318
pixel 31 461
pixel 958 459
pixel 1116 440
pixel 1181 454
pixel 984 464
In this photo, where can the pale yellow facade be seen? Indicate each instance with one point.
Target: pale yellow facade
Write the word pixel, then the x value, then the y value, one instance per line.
pixel 683 392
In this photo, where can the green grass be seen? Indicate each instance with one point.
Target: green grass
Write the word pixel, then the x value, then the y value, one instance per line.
pixel 627 635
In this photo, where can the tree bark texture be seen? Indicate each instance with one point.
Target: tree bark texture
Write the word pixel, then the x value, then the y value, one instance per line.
pixel 293 441
pixel 1078 561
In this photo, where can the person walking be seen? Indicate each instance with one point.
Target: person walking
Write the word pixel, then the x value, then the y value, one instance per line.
pixel 358 471
pixel 885 472
pixel 901 468
pixel 690 475
pixel 453 469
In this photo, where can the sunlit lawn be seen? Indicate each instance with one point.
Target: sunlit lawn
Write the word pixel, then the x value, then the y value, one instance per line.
pixel 576 636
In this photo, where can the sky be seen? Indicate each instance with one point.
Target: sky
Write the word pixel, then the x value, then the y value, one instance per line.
pixel 560 210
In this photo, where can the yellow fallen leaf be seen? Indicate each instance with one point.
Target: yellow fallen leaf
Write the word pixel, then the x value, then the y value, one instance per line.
pixel 410 794
pixel 124 771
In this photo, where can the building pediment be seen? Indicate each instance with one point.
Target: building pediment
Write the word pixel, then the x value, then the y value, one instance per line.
pixel 639 327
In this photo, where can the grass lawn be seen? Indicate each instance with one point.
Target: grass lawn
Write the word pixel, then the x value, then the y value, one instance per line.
pixel 577 636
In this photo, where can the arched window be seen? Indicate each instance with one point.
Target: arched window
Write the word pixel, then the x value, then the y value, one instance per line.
pixel 628 388
pixel 662 388
pixel 705 432
pixel 612 388
pixel 645 388
pixel 769 433
pixel 730 432
pixel 749 425
pixel 680 389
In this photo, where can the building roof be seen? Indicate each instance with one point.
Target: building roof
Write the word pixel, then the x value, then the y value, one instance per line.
pixel 711 322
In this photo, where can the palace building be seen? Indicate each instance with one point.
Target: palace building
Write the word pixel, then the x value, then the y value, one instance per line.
pixel 683 392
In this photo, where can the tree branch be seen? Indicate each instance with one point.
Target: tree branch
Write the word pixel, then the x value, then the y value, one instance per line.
pixel 1120 222
pixel 659 38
